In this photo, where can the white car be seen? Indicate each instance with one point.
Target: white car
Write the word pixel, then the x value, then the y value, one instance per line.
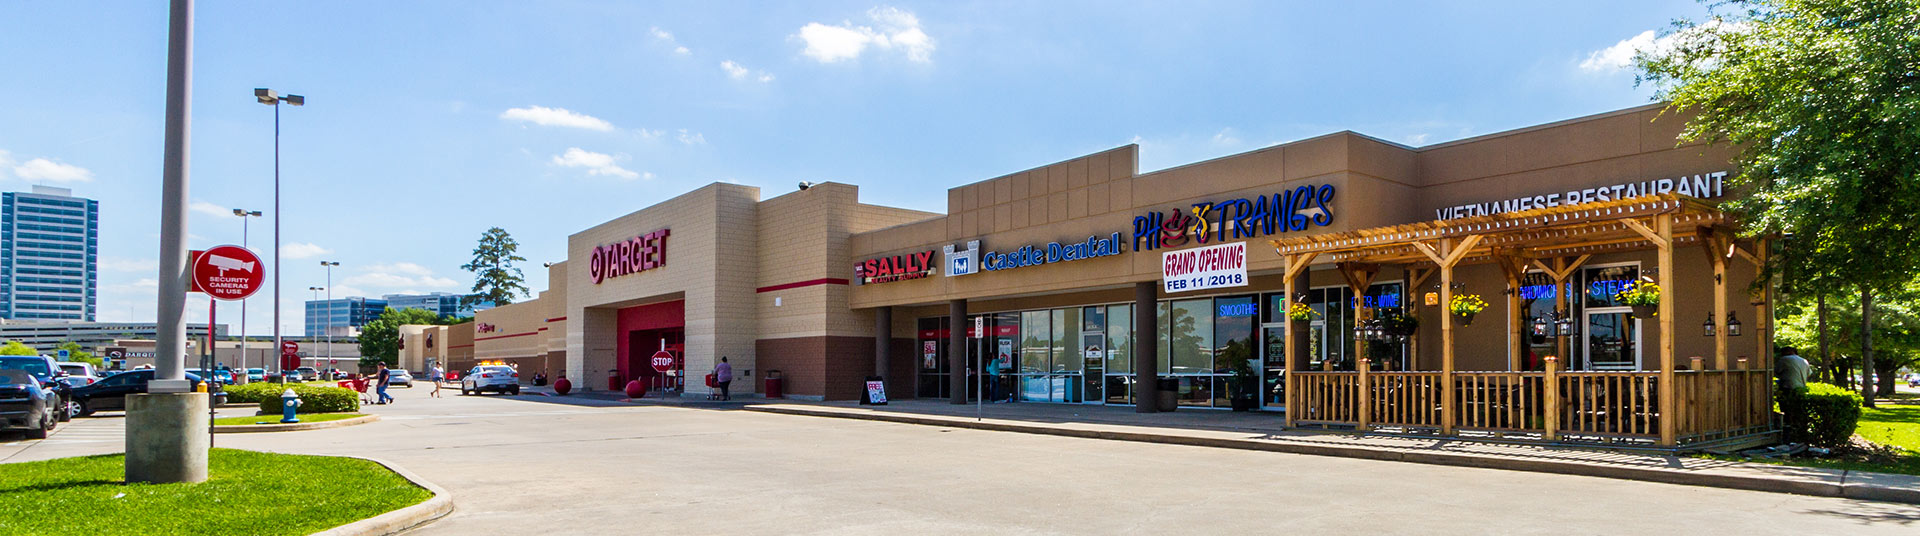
pixel 398 377
pixel 496 378
pixel 79 374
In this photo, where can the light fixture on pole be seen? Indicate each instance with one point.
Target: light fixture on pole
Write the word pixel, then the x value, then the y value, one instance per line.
pixel 271 98
pixel 246 216
pixel 1707 327
pixel 1733 325
pixel 329 265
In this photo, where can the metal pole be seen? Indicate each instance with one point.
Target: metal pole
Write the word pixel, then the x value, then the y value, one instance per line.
pixel 207 366
pixel 170 345
pixel 329 327
pixel 277 341
pixel 980 372
pixel 243 302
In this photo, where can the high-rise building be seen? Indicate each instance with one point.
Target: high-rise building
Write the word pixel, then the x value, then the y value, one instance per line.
pixel 440 303
pixel 341 317
pixel 49 255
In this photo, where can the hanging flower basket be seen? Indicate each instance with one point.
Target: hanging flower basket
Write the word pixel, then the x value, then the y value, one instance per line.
pixel 1399 324
pixel 1642 296
pixel 1465 306
pixel 1300 312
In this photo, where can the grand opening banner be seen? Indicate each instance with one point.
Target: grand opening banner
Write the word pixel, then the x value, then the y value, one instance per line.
pixel 1210 267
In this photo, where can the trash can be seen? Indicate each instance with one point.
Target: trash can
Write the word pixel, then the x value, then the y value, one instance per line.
pixel 774 386
pixel 1169 395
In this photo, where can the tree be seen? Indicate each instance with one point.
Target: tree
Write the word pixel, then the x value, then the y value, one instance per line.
pixel 1822 100
pixel 1896 329
pixel 380 337
pixel 495 279
pixel 15 348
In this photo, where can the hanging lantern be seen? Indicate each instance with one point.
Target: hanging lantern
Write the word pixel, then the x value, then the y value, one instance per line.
pixel 1564 322
pixel 1733 325
pixel 1707 327
pixel 1540 326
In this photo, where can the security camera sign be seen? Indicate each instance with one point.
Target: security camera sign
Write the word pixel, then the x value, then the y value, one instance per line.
pixel 227 272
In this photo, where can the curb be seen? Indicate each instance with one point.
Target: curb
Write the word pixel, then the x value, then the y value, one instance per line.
pixel 293 427
pixel 1831 483
pixel 397 521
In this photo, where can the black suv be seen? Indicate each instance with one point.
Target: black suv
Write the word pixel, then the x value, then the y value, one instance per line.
pixel 111 393
pixel 26 403
pixel 44 369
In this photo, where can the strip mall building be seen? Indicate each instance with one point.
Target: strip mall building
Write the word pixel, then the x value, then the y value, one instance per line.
pixel 1041 277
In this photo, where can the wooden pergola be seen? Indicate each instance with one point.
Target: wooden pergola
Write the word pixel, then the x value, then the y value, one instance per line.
pixel 1557 241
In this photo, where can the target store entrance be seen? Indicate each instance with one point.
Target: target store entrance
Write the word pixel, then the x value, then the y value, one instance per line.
pixel 646 330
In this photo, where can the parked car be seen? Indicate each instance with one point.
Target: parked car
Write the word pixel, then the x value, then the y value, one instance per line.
pixel 222 376
pixel 83 370
pixel 496 378
pixel 27 404
pixel 399 377
pixel 308 374
pixel 111 393
pixel 256 375
pixel 48 373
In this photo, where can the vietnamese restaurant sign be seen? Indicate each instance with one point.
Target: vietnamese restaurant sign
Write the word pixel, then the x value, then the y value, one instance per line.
pixel 1704 186
pixel 634 255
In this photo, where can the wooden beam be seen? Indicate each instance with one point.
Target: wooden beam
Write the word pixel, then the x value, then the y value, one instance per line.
pixel 1447 402
pixel 1669 406
pixel 1513 267
pixel 1658 239
pixel 1430 252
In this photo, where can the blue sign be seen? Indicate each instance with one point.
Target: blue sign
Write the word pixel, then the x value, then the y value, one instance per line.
pixel 1384 300
pixel 1210 222
pixel 1229 310
pixel 1093 247
pixel 1605 289
pixel 1539 292
pixel 63 354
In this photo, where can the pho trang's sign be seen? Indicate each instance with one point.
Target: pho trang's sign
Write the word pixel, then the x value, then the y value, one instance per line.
pixel 1236 219
pixel 895 268
pixel 637 254
pixel 1704 186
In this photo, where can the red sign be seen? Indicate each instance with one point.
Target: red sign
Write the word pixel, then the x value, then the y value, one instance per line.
pixel 289 362
pixel 289 348
pixel 637 254
pixel 662 361
pixel 228 272
pixel 895 268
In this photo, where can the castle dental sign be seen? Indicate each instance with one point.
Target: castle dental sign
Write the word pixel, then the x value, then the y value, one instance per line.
pixel 1704 186
pixel 637 254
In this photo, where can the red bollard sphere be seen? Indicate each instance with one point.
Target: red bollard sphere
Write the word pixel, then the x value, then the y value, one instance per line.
pixel 562 386
pixel 635 389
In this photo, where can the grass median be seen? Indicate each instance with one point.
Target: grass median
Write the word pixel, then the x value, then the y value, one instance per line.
pixel 250 420
pixel 1892 433
pixel 246 492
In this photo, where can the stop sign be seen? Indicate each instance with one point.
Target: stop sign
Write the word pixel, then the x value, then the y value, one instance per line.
pixel 228 272
pixel 289 347
pixel 662 361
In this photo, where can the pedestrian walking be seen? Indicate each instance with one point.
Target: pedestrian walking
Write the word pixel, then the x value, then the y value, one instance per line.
pixel 381 382
pixel 723 378
pixel 436 374
pixel 1791 370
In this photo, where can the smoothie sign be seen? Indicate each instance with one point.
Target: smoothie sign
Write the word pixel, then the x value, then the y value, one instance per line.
pixel 637 254
pixel 1209 222
pixel 1704 186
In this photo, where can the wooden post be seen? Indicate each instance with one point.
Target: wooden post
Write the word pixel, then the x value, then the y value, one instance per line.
pixel 1763 336
pixel 1513 267
pixel 1447 256
pixel 1552 390
pixel 1717 254
pixel 1294 266
pixel 1668 405
pixel 1366 395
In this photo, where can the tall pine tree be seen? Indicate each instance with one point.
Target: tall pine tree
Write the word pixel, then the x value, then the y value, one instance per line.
pixel 495 279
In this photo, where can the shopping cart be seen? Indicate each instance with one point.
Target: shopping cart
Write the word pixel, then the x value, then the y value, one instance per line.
pixel 713 384
pixel 358 385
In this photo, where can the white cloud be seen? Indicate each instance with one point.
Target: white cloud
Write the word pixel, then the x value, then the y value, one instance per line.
pixel 741 72
pixel 302 250
pixel 667 37
pixel 897 30
pixel 209 209
pixel 1416 140
pixel 41 169
pixel 1620 56
pixel 556 117
pixel 649 135
pixel 691 138
pixel 130 265
pixel 594 163
pixel 405 276
pixel 1226 137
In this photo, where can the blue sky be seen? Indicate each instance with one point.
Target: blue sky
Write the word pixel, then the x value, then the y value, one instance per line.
pixel 428 122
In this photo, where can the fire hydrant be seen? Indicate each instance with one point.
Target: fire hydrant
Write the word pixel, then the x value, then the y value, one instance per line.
pixel 288 403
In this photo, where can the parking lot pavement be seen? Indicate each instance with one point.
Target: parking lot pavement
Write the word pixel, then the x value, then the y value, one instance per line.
pixel 533 464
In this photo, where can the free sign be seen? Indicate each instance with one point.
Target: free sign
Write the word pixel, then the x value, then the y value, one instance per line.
pixel 227 273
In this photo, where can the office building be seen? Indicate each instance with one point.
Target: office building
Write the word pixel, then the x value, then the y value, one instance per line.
pixel 49 243
pixel 440 303
pixel 341 317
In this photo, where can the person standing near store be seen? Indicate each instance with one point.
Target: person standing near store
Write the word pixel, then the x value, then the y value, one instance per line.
pixel 723 378
pixel 381 380
pixel 1791 369
pixel 436 374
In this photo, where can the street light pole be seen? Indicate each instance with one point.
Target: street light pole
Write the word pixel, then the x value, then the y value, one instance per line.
pixel 246 216
pixel 330 265
pixel 328 320
pixel 271 98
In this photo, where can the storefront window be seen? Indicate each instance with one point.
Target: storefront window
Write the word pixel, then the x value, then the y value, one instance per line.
pixel 1036 342
pixel 1120 339
pixel 1384 300
pixel 933 365
pixel 1191 332
pixel 1161 358
pixel 1234 348
pixel 1066 337
pixel 1604 283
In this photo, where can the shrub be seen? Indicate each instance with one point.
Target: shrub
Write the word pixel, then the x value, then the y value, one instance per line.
pixel 253 393
pixel 1823 416
pixel 313 399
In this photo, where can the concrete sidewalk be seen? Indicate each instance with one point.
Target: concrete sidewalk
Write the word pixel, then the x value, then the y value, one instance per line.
pixel 1266 431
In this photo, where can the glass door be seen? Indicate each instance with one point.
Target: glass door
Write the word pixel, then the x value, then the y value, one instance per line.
pixel 1611 335
pixel 1093 353
pixel 1273 352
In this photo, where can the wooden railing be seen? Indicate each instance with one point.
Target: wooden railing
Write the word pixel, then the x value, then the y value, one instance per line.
pixel 1579 406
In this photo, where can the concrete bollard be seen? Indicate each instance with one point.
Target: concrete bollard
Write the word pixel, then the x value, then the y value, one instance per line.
pixel 167 438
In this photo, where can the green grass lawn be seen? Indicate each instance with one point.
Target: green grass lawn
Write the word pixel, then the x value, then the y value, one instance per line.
pixel 246 492
pixel 275 419
pixel 1896 427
